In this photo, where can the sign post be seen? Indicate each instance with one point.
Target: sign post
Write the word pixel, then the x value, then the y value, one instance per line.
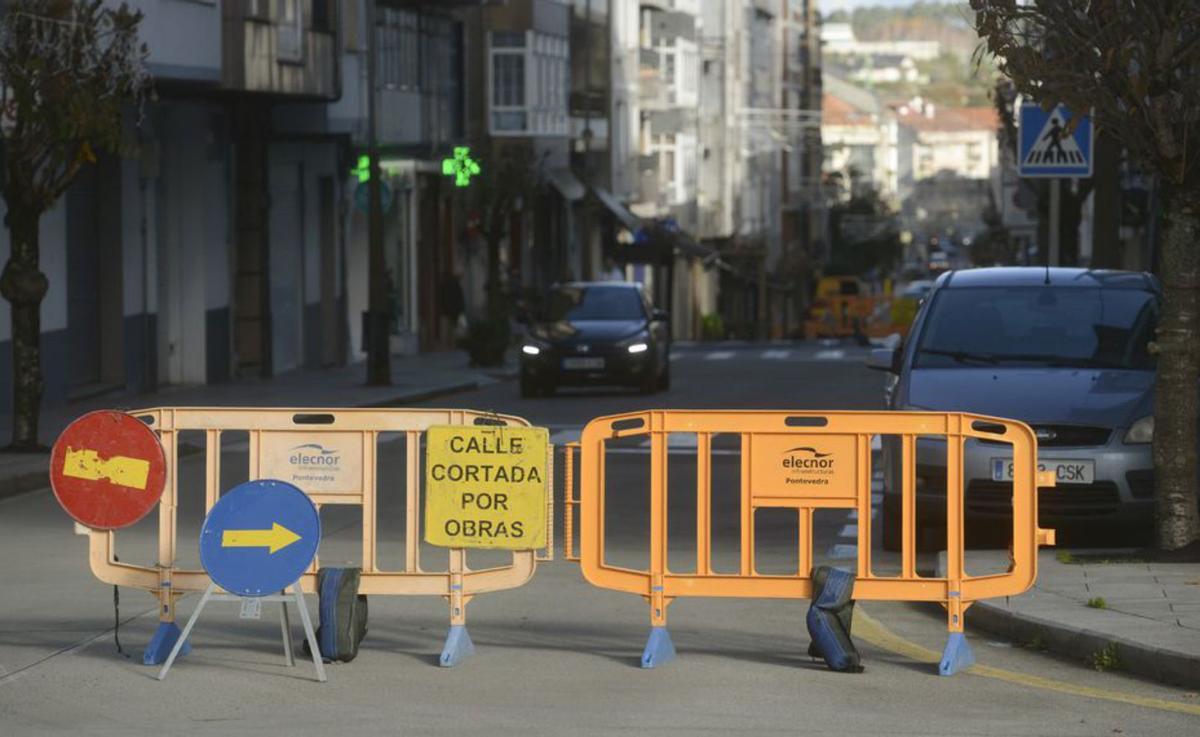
pixel 485 487
pixel 257 540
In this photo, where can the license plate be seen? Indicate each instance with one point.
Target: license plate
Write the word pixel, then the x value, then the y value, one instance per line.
pixel 1065 472
pixel 583 364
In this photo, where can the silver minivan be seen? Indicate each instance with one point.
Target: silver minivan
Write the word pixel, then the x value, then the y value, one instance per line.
pixel 1064 350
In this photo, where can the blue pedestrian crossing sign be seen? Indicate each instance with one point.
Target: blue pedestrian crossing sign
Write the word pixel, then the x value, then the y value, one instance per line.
pixel 259 538
pixel 1054 143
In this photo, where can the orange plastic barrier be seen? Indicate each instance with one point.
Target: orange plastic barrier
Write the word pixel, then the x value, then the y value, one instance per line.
pixel 804 461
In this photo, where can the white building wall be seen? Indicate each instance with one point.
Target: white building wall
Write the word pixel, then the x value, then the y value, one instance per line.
pixel 626 108
pixel 192 231
pixel 183 36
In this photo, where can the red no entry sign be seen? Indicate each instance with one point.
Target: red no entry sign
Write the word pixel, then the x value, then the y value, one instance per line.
pixel 107 470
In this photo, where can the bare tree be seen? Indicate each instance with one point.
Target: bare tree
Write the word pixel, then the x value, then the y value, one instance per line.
pixel 1136 65
pixel 509 183
pixel 68 71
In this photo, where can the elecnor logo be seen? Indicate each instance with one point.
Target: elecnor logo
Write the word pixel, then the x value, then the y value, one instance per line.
pixel 807 465
pixel 806 457
pixel 314 455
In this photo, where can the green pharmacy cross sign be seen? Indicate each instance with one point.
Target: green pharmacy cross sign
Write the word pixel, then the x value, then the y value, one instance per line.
pixel 462 167
pixel 363 170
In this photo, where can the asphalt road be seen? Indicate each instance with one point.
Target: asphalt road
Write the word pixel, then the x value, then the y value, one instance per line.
pixel 556 656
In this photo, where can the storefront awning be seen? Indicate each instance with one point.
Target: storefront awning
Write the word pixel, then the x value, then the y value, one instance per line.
pixel 660 242
pixel 619 211
pixel 567 185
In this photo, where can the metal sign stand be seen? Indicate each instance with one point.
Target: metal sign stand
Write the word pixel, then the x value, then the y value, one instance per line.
pixel 296 597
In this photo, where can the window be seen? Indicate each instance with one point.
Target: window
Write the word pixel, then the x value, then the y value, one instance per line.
pixel 508 91
pixel 1040 326
pixel 418 52
pixel 529 76
pixel 680 71
pixel 289 38
pixel 595 303
pixel 398 49
pixel 258 9
pixel 322 16
pixel 676 154
pixel 508 40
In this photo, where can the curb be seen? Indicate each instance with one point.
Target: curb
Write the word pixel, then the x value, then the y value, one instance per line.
pixel 30 481
pixel 23 483
pixel 426 394
pixel 1159 664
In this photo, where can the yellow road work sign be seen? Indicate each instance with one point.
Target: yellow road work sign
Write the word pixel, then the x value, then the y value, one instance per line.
pixel 486 487
pixel 120 470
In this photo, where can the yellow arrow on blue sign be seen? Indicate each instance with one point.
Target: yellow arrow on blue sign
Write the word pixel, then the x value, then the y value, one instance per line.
pixel 275 539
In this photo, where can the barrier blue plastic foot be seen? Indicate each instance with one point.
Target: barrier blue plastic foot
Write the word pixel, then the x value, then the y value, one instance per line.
pixel 458 646
pixel 659 648
pixel 160 645
pixel 957 655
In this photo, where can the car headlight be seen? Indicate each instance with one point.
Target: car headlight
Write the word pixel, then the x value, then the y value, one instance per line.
pixel 1140 432
pixel 531 350
pixel 638 347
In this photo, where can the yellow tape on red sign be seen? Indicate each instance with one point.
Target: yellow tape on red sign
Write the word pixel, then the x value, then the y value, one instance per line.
pixel 486 487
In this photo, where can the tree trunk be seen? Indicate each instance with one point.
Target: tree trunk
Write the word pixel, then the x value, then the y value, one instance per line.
pixel 499 225
pixel 1178 368
pixel 24 286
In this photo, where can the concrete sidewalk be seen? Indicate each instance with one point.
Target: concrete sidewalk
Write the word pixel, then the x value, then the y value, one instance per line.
pixel 1105 607
pixel 414 379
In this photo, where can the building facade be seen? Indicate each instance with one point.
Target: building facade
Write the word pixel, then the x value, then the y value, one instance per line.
pixel 213 246
pixel 669 139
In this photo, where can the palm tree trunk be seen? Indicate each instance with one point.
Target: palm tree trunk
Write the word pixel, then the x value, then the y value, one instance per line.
pixel 1178 368
pixel 24 286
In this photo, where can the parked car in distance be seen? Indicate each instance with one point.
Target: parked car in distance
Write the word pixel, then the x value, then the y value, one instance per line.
pixel 1064 350
pixel 596 333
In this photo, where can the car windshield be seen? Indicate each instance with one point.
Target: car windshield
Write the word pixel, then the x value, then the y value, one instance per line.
pixel 594 303
pixel 1039 326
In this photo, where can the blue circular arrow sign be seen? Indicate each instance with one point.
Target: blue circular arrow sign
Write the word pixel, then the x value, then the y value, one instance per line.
pixel 259 538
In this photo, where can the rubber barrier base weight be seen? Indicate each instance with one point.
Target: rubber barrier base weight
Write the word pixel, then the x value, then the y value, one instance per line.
pixel 957 655
pixel 659 648
pixel 160 645
pixel 458 646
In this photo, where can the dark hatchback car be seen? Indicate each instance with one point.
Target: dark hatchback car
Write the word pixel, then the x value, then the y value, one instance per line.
pixel 1064 350
pixel 596 333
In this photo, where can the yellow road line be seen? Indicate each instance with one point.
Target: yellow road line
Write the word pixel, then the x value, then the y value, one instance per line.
pixel 869 630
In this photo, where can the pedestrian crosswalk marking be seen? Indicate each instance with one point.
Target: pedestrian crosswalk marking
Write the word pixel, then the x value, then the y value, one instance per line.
pixel 719 356
pixel 843 552
pixel 775 355
pixel 831 355
pixel 853 516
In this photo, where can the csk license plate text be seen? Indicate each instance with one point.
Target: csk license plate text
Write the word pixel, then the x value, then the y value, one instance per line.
pixel 1065 472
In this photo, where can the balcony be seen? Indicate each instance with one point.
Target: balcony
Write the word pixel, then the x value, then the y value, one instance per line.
pixel 652 88
pixel 283 48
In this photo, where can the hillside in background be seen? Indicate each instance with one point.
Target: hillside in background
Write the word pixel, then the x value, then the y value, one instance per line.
pixel 954 78
pixel 949 24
